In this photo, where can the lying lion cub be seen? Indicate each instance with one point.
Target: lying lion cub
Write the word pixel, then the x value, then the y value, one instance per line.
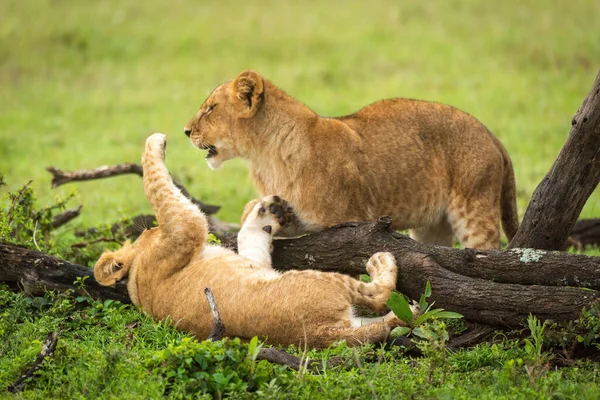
pixel 169 266
pixel 429 166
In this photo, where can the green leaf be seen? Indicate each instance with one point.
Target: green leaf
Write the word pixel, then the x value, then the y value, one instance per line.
pixel 427 289
pixel 427 315
pixel 422 301
pixel 448 315
pixel 400 331
pixel 253 348
pixel 424 333
pixel 398 304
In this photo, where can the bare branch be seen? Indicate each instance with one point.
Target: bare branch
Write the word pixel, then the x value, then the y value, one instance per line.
pixel 48 348
pixel 65 216
pixel 218 329
pixel 81 245
pixel 60 177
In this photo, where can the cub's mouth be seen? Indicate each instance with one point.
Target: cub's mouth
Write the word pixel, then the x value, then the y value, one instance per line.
pixel 212 150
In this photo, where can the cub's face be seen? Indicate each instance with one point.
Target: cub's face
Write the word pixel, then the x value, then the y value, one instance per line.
pixel 211 128
pixel 220 125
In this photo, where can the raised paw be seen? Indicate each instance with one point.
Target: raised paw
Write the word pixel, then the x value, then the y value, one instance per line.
pixel 157 142
pixel 270 214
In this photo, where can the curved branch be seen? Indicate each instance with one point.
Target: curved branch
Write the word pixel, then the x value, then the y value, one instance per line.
pixel 60 177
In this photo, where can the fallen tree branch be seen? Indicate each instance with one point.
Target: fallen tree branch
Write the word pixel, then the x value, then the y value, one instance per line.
pixel 81 245
pixel 48 348
pixel 141 222
pixel 60 177
pixel 499 288
pixel 35 272
pixel 65 216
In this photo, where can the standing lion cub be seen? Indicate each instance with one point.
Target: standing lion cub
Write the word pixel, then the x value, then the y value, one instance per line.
pixel 433 168
pixel 168 267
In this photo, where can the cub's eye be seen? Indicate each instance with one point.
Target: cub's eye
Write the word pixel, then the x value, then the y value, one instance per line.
pixel 210 108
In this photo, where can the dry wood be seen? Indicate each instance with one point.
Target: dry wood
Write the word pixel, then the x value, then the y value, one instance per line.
pixel 60 177
pixel 65 216
pixel 35 272
pixel 48 348
pixel 270 354
pixel 218 329
pixel 560 197
pixel 498 288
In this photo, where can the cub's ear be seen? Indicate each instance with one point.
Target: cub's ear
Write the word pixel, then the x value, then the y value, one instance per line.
pixel 113 266
pixel 247 93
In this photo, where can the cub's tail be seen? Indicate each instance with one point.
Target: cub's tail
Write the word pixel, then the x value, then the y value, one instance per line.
pixel 508 199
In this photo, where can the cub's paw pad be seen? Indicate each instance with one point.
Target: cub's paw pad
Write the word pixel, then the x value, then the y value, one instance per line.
pixel 278 207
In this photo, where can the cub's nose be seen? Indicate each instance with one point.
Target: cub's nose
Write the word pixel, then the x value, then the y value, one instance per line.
pixel 187 132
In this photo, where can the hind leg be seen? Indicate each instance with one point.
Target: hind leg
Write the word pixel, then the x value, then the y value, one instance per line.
pixel 439 233
pixel 374 295
pixel 476 222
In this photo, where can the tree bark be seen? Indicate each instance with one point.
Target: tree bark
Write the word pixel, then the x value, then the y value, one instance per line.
pixel 35 272
pixel 499 288
pixel 560 197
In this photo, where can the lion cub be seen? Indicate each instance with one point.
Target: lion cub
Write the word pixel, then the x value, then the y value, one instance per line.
pixel 168 267
pixel 429 166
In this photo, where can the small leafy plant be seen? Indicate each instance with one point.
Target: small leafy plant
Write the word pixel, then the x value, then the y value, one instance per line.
pixel 400 307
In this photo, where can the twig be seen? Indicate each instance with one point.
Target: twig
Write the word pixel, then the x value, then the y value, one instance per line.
pixel 65 216
pixel 81 245
pixel 270 354
pixel 60 177
pixel 284 358
pixel 218 329
pixel 34 232
pixel 47 349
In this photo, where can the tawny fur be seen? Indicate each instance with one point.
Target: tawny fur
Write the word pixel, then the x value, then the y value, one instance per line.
pixel 433 168
pixel 169 266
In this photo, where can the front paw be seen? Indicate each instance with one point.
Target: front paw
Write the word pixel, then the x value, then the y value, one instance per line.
pixel 157 143
pixel 273 213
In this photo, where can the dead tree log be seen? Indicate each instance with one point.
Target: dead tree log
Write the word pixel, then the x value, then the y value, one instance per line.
pixel 492 287
pixel 35 272
pixel 560 197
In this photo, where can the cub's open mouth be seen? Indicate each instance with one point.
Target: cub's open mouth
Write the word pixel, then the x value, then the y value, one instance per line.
pixel 212 150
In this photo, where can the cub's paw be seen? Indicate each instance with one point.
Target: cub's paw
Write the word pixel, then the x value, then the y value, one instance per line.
pixel 157 143
pixel 381 263
pixel 273 213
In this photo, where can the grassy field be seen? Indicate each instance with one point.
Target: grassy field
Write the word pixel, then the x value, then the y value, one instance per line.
pixel 83 83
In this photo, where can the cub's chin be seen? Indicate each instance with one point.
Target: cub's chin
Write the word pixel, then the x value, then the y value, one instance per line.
pixel 214 162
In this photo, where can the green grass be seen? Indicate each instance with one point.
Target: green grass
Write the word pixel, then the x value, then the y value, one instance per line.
pixel 108 350
pixel 82 84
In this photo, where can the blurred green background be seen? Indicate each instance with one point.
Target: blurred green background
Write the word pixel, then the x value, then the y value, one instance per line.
pixel 82 83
